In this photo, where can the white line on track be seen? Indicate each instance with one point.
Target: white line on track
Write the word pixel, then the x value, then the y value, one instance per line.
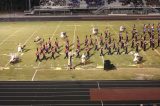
pixel 10 36
pixel 99 89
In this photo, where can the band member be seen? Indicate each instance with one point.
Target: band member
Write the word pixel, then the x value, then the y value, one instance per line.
pixel 127 37
pixel 37 56
pixel 78 45
pixel 70 60
pixel 87 50
pixel 91 41
pixel 120 36
pixel 133 33
pixel 78 39
pixel 56 49
pixel 158 28
pixel 47 48
pixel 141 43
pixel 109 40
pixel 134 27
pixel 144 37
pixel 56 43
pixel 96 45
pixel 52 52
pixel 101 52
pixel 86 41
pixel 118 50
pixel 126 48
pixel 149 29
pixel 77 52
pixel 150 42
pixel 152 28
pixel 66 52
pixel 106 32
pixel 144 28
pixel 144 46
pixel 136 37
pixel 158 40
pixel 114 45
pixel 106 44
pixel 41 49
pixel 153 44
pixel 109 50
pixel 67 41
pixel 101 40
pixel 137 47
pixel 44 55
pixel 49 43
pixel 122 44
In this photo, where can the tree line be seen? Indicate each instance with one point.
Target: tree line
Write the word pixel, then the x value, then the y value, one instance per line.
pixel 16 5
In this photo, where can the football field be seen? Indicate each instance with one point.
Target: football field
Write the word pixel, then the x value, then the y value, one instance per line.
pixel 13 33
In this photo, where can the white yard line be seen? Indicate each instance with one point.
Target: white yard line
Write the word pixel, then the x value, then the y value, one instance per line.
pixel 56 29
pixel 35 72
pixel 10 36
pixel 34 75
pixel 157 52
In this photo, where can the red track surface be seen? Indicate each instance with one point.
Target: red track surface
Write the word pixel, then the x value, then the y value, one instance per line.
pixel 124 94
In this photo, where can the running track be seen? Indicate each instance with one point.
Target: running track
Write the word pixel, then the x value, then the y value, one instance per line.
pixel 68 93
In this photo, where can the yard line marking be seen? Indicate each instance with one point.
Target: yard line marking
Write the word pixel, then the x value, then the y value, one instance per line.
pixel 34 75
pixel 157 52
pixel 31 36
pixel 56 29
pixel 35 72
pixel 73 25
pixel 10 35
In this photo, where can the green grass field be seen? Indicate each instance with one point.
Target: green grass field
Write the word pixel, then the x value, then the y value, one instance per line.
pixel 12 33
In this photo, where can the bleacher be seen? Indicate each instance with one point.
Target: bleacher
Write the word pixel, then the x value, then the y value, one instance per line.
pixel 98 6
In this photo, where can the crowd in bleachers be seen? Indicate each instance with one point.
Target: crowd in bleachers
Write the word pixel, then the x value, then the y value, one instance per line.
pixel 72 3
pixel 94 3
pixel 52 2
pixel 153 2
pixel 98 3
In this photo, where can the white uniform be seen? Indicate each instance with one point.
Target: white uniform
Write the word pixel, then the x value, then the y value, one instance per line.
pixel 19 48
pixel 63 34
pixel 83 58
pixel 94 31
pixel 136 57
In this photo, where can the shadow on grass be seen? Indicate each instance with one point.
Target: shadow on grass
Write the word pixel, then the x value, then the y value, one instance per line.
pixel 26 50
pixel 81 64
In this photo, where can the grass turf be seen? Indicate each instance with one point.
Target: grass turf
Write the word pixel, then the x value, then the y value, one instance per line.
pixel 12 33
